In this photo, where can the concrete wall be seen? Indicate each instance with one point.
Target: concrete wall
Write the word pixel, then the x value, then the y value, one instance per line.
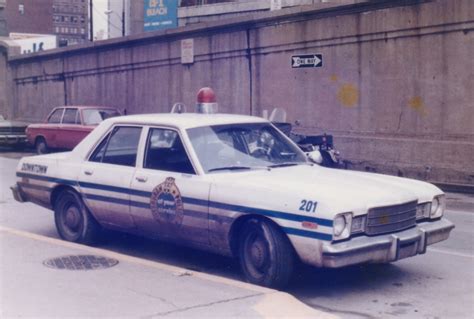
pixel 395 87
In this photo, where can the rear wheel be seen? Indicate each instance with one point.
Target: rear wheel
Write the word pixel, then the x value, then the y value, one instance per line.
pixel 266 255
pixel 41 146
pixel 73 221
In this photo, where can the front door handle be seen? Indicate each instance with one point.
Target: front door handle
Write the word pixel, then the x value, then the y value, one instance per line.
pixel 88 172
pixel 141 179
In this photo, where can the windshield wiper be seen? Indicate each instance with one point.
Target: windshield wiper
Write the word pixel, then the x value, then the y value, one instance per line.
pixel 284 164
pixel 230 168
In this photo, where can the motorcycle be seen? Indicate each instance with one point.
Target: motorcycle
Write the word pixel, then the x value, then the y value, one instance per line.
pixel 319 148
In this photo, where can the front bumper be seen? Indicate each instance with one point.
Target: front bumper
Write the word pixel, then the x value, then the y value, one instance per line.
pixel 18 193
pixel 13 139
pixel 386 248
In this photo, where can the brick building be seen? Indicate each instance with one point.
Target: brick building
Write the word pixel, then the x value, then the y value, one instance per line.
pixel 29 16
pixel 70 21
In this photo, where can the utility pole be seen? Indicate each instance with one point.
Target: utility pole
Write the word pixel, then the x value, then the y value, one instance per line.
pixel 123 18
pixel 92 20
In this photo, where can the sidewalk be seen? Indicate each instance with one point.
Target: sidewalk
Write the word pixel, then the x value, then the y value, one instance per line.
pixel 134 287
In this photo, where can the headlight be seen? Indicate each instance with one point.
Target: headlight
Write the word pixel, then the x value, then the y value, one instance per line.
pixel 437 207
pixel 342 226
pixel 423 211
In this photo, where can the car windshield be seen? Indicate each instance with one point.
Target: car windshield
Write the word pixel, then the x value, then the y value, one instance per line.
pixel 243 147
pixel 95 116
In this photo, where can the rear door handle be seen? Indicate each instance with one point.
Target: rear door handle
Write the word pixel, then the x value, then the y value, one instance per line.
pixel 141 179
pixel 88 172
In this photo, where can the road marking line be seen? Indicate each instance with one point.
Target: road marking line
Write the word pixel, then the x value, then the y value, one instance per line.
pixel 447 252
pixel 135 260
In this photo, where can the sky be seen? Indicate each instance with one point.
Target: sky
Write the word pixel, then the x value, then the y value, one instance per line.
pixel 100 18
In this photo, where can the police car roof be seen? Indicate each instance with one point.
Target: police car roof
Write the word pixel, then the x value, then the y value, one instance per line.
pixel 186 120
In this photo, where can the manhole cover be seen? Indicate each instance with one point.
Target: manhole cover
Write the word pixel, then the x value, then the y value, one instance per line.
pixel 80 262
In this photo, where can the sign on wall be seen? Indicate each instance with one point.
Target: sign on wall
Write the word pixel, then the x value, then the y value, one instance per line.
pixel 187 51
pixel 160 14
pixel 275 5
pixel 30 43
pixel 307 61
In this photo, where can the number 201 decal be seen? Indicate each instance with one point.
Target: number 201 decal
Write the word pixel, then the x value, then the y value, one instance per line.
pixel 308 206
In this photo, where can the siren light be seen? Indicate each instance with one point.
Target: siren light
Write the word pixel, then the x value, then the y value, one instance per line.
pixel 206 101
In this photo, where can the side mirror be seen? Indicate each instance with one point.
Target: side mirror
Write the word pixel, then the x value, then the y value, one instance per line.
pixel 315 157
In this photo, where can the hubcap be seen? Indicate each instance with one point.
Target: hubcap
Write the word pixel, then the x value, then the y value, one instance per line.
pixel 72 218
pixel 258 253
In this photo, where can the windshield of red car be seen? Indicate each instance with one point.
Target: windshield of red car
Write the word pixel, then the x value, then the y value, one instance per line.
pixel 95 116
pixel 243 146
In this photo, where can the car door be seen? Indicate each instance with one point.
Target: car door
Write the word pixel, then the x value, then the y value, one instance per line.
pixel 105 177
pixel 168 199
pixel 49 130
pixel 70 129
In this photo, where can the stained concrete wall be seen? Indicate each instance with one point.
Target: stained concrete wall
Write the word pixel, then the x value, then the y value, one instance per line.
pixel 395 87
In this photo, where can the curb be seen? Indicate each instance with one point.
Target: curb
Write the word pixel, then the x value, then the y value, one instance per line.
pixel 274 303
pixel 455 188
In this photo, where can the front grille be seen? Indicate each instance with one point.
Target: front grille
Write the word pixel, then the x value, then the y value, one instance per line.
pixel 12 130
pixel 20 130
pixel 389 219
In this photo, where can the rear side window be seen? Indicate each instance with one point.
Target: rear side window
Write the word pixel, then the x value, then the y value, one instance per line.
pixel 119 147
pixel 55 117
pixel 70 116
pixel 95 116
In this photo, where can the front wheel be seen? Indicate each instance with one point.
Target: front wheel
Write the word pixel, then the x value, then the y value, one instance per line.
pixel 41 146
pixel 73 221
pixel 266 255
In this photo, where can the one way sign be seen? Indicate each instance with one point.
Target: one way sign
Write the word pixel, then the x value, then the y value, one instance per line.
pixel 307 61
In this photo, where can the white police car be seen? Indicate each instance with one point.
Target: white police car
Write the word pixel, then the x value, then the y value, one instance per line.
pixel 233 185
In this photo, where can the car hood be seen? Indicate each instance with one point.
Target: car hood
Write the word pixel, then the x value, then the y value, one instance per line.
pixel 7 123
pixel 340 189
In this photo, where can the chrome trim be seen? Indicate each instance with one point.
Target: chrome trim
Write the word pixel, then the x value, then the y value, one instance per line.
pixel 18 194
pixel 389 219
pixel 386 248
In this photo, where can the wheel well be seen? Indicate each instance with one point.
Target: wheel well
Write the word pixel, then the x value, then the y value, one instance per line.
pixel 237 227
pixel 39 137
pixel 58 190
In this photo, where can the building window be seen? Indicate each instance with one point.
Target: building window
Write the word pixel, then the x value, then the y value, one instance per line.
pixel 21 9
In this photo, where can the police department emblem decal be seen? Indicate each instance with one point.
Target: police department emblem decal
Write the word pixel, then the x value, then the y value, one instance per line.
pixel 166 203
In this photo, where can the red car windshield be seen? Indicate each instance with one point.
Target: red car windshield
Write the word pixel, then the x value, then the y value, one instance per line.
pixel 95 116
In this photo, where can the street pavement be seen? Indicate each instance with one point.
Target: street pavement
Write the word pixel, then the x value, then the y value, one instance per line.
pixel 154 279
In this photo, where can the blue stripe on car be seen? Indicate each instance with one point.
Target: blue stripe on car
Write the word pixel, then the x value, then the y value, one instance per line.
pixel 193 201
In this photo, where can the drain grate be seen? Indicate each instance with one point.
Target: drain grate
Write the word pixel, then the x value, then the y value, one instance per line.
pixel 80 262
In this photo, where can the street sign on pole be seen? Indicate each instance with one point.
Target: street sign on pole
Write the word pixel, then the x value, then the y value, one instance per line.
pixel 307 61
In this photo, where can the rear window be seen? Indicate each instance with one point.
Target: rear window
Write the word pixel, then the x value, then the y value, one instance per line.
pixel 95 116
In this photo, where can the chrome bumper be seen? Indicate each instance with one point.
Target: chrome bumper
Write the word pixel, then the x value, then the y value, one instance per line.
pixel 18 193
pixel 13 139
pixel 386 248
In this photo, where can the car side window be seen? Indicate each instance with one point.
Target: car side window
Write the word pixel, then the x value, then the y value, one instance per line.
pixel 70 116
pixel 55 117
pixel 165 152
pixel 119 147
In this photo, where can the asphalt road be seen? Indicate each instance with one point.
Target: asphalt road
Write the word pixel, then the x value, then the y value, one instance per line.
pixel 439 284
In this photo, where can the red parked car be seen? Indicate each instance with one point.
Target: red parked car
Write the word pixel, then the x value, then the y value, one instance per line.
pixel 66 126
